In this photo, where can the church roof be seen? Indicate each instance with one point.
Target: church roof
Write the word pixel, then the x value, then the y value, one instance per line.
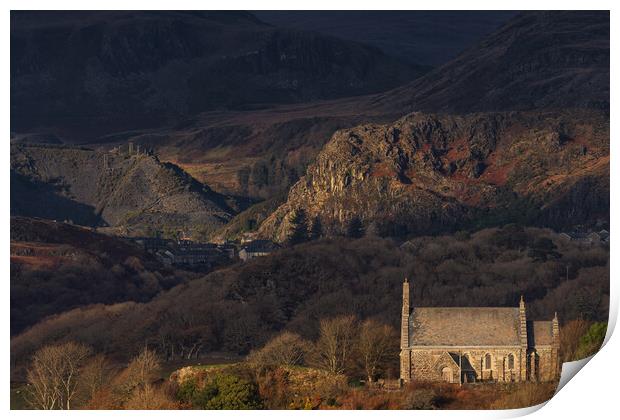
pixel 464 327
pixel 540 333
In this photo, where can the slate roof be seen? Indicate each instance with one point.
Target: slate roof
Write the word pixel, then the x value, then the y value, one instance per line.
pixel 260 245
pixel 464 327
pixel 540 333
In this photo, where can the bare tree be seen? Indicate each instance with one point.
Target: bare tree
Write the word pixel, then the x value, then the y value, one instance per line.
pixel 376 343
pixel 149 397
pixel 94 376
pixel 286 349
pixel 141 372
pixel 335 343
pixel 53 375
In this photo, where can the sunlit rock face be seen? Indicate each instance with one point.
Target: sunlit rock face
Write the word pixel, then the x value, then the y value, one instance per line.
pixel 427 173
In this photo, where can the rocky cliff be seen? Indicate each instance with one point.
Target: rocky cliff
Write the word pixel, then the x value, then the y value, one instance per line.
pixel 433 172
pixel 536 61
pixel 127 191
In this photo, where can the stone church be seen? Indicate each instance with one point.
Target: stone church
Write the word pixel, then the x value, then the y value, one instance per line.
pixel 461 345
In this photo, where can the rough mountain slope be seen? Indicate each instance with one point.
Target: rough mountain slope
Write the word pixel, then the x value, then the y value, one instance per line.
pixel 56 267
pixel 116 189
pixel 430 37
pixel 258 154
pixel 537 60
pixel 434 172
pixel 91 73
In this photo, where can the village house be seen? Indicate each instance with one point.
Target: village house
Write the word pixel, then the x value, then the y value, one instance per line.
pixel 185 252
pixel 257 248
pixel 460 345
pixel 229 249
pixel 151 244
pixel 589 239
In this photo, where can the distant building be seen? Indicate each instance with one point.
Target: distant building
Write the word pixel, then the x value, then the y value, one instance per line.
pixel 229 249
pixel 460 345
pixel 257 248
pixel 165 256
pixel 589 238
pixel 248 237
pixel 153 244
pixel 184 252
pixel 566 236
pixel 197 256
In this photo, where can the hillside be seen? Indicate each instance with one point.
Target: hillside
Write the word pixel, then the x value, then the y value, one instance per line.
pixel 238 308
pixel 259 153
pixel 130 192
pixel 56 267
pixel 431 172
pixel 537 60
pixel 85 74
pixel 430 37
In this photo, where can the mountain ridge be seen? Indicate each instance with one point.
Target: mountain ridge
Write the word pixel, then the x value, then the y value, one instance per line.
pixel 130 192
pixel 537 60
pixel 114 71
pixel 429 173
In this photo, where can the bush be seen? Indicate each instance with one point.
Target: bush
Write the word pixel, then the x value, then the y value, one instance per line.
pixel 228 392
pixel 188 391
pixel 524 395
pixel 150 398
pixel 592 341
pixel 420 399
pixel 222 392
pixel 570 337
pixel 462 235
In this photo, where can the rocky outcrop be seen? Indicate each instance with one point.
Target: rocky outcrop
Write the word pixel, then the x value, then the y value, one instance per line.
pixel 129 191
pixel 537 61
pixel 427 173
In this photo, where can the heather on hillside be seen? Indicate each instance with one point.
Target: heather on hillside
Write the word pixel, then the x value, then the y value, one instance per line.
pixel 56 267
pixel 79 378
pixel 237 309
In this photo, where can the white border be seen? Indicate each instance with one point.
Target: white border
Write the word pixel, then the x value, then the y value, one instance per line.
pixel 592 395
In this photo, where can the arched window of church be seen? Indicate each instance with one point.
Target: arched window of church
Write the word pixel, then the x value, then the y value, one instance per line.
pixel 511 361
pixel 487 361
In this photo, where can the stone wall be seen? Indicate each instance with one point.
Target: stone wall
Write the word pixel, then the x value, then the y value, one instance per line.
pixel 405 365
pixel 544 364
pixel 427 364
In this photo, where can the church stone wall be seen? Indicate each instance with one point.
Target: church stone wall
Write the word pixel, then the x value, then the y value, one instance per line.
pixel 427 364
pixel 545 364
